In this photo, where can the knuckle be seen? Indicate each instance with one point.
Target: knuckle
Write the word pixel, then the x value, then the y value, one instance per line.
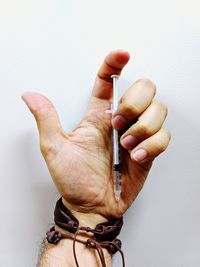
pixel 161 146
pixel 163 141
pixel 167 134
pixel 161 105
pixel 129 108
pixel 43 112
pixel 46 148
pixel 144 82
pixel 144 130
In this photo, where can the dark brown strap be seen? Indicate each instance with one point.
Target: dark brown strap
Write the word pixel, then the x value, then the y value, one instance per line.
pixel 64 218
pixel 107 231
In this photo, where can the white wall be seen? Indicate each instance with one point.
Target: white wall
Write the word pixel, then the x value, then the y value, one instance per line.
pixel 56 47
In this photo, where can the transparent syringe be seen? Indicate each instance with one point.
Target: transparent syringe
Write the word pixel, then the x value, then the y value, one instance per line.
pixel 116 160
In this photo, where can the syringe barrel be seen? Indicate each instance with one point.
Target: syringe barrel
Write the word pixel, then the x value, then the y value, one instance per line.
pixel 115 132
pixel 115 147
pixel 116 163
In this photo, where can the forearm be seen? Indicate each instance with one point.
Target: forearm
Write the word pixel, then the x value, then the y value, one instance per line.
pixel 61 255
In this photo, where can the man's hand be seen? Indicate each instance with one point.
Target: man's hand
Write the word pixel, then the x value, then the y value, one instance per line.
pixel 80 162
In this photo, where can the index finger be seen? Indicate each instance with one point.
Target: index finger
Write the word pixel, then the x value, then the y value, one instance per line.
pixel 113 64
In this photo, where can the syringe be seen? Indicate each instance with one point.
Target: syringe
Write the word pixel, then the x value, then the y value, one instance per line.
pixel 116 161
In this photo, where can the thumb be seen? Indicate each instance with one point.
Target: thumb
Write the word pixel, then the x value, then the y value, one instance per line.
pixel 45 115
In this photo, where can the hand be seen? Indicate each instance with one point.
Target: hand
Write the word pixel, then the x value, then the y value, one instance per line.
pixel 80 162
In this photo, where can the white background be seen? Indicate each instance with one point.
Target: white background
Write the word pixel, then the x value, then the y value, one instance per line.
pixel 55 47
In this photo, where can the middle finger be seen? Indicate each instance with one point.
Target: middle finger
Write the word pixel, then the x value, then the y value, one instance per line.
pixel 133 103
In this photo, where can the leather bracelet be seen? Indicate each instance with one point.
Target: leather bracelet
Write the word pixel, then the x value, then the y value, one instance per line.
pixel 104 234
pixel 103 231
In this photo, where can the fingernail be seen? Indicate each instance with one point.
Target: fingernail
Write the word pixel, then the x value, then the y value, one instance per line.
pixel 139 155
pixel 119 122
pixel 129 142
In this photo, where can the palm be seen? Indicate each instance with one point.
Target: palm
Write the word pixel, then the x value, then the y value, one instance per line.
pixel 82 166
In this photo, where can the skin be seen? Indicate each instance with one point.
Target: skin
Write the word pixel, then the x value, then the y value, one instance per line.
pixel 80 162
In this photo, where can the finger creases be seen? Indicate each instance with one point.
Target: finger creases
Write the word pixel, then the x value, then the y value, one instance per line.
pixel 151 147
pixel 147 124
pixel 113 64
pixel 135 101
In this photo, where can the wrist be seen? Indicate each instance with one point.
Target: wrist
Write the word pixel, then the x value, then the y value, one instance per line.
pixel 102 229
pixel 89 219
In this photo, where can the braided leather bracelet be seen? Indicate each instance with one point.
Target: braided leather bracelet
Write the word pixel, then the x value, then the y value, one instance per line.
pixel 104 234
